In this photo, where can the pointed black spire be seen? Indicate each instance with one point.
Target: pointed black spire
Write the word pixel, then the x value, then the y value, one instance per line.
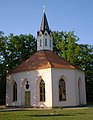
pixel 44 24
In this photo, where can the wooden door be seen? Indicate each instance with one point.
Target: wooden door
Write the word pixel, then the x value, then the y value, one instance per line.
pixel 27 98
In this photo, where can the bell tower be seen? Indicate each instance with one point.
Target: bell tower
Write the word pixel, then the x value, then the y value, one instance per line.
pixel 44 36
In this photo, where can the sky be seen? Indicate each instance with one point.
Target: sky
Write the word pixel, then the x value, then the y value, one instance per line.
pixel 24 17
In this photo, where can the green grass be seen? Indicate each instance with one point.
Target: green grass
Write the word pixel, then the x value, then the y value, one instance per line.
pixel 53 114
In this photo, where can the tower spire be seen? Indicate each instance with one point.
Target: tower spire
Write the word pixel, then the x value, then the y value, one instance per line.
pixel 44 24
pixel 44 36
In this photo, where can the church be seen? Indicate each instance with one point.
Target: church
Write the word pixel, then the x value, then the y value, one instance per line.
pixel 45 79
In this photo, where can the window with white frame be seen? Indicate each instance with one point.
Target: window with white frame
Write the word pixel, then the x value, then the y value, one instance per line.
pixel 40 42
pixel 14 92
pixel 42 91
pixel 45 42
pixel 62 90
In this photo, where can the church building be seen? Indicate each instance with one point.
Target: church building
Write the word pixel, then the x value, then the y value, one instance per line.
pixel 45 79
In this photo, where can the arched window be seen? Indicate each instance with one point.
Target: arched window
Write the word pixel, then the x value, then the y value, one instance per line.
pixel 40 42
pixel 45 42
pixel 62 90
pixel 79 91
pixel 50 42
pixel 42 91
pixel 14 92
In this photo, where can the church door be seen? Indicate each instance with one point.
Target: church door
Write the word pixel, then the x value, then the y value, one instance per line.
pixel 27 98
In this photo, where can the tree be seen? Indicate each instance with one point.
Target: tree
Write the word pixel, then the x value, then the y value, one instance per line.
pixel 13 51
pixel 65 45
pixel 85 61
pixel 2 67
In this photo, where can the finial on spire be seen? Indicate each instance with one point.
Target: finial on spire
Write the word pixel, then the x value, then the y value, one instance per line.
pixel 44 6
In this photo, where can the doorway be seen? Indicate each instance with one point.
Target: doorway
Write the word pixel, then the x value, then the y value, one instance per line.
pixel 27 98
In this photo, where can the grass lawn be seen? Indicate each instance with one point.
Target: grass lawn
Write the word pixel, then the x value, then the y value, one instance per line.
pixel 51 114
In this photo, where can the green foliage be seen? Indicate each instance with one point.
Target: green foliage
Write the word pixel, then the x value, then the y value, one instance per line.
pixel 16 49
pixel 65 44
pixel 13 51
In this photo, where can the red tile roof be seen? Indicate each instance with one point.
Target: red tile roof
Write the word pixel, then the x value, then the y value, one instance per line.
pixel 42 60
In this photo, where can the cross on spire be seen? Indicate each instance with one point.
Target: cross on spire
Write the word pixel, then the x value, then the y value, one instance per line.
pixel 44 6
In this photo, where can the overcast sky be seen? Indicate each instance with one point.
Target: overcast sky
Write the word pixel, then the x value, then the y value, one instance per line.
pixel 24 17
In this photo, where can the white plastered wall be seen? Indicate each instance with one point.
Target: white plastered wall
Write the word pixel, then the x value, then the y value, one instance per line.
pixel 51 78
pixel 43 37
pixel 80 87
pixel 34 78
pixel 71 77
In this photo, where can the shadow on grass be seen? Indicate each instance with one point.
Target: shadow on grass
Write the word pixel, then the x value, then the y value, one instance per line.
pixel 55 115
pixel 48 115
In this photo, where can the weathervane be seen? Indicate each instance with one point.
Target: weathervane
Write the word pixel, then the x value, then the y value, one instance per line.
pixel 44 6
